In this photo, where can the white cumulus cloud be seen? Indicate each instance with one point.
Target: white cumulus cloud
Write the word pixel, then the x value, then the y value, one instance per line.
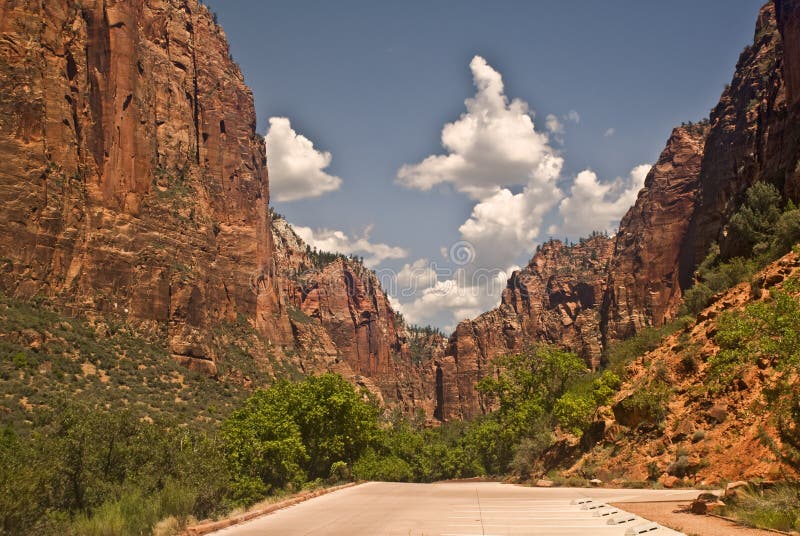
pixel 596 206
pixel 338 242
pixel 609 132
pixel 414 277
pixel 450 301
pixel 506 225
pixel 492 145
pixel 296 168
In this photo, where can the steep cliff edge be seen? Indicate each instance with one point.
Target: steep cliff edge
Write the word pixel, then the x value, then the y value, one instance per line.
pixel 341 320
pixel 753 137
pixel 644 286
pixel 699 180
pixel 135 186
pixel 133 180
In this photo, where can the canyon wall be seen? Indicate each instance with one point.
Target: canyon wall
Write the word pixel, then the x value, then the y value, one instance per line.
pixel 555 299
pixel 133 180
pixel 134 185
pixel 689 195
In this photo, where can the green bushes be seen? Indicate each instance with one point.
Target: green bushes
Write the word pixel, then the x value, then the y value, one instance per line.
pixel 646 405
pixel 762 330
pixel 777 508
pixel 714 276
pixel 293 432
pixel 619 354
pixel 89 471
pixel 759 232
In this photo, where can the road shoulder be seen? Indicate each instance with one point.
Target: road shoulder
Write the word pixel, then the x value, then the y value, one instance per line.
pixel 676 515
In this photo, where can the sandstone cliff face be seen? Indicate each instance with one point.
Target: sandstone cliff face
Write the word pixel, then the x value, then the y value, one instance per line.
pixel 644 286
pixel 753 134
pixel 342 321
pixel 753 137
pixel 134 185
pixel 555 299
pixel 133 180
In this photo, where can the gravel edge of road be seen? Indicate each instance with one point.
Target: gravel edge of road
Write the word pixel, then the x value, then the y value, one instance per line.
pixel 211 526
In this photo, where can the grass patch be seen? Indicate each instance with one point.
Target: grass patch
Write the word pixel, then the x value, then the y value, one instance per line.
pixel 777 508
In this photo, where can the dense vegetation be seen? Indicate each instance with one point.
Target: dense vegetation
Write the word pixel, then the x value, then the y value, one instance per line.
pixel 759 232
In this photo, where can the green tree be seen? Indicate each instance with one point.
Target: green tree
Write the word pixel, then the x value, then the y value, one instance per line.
pixel 295 431
pixel 754 222
pixel 263 445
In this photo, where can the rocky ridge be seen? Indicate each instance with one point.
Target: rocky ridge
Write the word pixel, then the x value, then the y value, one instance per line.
pixel 555 299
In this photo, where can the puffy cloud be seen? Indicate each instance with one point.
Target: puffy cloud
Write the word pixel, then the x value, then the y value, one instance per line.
pixel 609 132
pixel 596 206
pixel 492 145
pixel 295 166
pixel 506 225
pixel 573 116
pixel 414 277
pixel 338 242
pixel 448 302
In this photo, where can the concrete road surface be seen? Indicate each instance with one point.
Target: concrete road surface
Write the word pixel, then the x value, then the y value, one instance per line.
pixel 457 509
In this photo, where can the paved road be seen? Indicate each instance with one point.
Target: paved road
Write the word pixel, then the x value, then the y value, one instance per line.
pixel 454 509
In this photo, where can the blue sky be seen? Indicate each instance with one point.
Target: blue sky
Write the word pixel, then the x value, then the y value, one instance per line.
pixel 373 84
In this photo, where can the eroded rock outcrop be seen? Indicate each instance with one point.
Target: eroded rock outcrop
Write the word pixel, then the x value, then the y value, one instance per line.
pixel 753 134
pixel 644 286
pixel 753 137
pixel 133 181
pixel 555 299
pixel 342 321
pixel 713 424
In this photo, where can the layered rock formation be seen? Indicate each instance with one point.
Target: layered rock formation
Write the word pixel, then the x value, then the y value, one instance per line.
pixel 134 185
pixel 342 321
pixel 133 180
pixel 753 137
pixel 644 286
pixel 753 134
pixel 555 299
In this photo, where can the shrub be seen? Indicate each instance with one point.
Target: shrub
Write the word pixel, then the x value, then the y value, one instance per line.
pixel 756 218
pixel 390 468
pixel 646 405
pixel 574 412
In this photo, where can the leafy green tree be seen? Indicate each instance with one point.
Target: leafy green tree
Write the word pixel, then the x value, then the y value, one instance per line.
pixel 753 224
pixel 293 432
pixel 263 445
pixel 531 381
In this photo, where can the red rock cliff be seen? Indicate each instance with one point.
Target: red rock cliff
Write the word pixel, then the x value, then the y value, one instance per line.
pixel 753 134
pixel 555 299
pixel 643 275
pixel 753 137
pixel 134 184
pixel 133 180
